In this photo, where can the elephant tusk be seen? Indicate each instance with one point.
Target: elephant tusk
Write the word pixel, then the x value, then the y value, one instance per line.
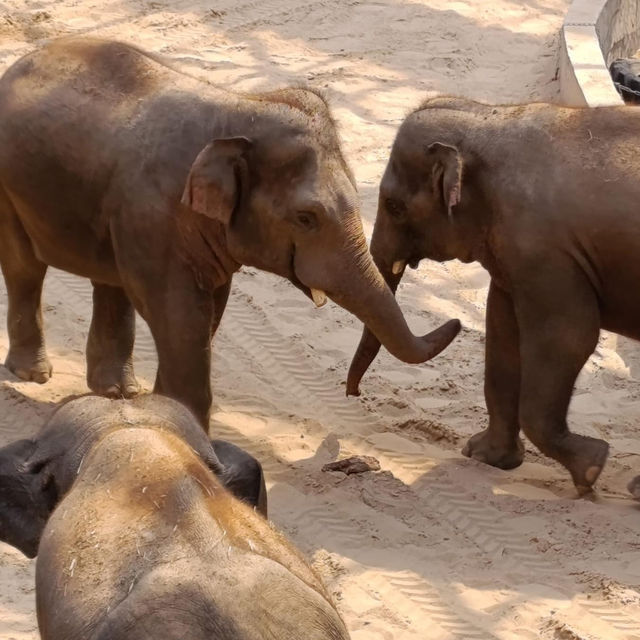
pixel 398 267
pixel 319 297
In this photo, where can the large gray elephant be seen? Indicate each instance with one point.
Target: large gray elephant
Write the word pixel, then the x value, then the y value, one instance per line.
pixel 158 186
pixel 546 199
pixel 139 539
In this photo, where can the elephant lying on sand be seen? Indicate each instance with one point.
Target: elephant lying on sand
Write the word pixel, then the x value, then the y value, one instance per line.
pixel 158 186
pixel 546 199
pixel 144 541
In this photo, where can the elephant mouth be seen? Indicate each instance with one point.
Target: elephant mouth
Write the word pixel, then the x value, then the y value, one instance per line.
pixel 400 265
pixel 318 296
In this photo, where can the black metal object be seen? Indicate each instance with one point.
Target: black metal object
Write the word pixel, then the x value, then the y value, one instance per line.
pixel 625 73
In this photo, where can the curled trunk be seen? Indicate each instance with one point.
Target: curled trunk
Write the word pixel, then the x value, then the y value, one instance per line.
pixel 367 296
pixel 424 348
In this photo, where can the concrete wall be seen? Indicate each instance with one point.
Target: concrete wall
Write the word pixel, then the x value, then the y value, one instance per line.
pixel 594 33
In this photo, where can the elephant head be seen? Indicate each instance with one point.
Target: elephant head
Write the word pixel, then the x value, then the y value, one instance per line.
pixel 423 211
pixel 283 199
pixel 36 474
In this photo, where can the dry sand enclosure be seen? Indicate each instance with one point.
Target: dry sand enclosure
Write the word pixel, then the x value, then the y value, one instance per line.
pixel 433 545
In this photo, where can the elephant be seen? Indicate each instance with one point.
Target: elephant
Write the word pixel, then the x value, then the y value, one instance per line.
pixel 124 502
pixel 157 186
pixel 544 198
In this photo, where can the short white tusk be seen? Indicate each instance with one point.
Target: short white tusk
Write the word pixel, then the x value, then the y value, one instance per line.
pixel 398 267
pixel 319 297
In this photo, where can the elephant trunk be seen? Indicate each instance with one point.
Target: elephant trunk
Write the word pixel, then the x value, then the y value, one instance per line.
pixel 425 348
pixel 369 345
pixel 370 299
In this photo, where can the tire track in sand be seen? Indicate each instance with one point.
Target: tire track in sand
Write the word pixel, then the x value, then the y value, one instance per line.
pixel 408 594
pixel 407 590
pixel 74 290
pixel 290 369
pixel 485 527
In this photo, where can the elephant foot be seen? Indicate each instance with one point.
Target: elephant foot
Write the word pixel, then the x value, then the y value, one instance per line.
pixel 483 448
pixel 634 488
pixel 28 364
pixel 587 460
pixel 113 381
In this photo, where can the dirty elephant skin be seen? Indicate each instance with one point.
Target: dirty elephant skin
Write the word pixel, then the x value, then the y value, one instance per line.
pixel 158 186
pixel 144 541
pixel 546 199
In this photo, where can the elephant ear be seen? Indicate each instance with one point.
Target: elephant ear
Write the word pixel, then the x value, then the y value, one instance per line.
pixel 27 496
pixel 242 475
pixel 212 187
pixel 446 173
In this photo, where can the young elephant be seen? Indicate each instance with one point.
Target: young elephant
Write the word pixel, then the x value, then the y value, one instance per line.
pixel 545 198
pixel 158 186
pixel 145 541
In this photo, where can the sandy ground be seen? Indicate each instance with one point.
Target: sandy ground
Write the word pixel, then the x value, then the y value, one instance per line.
pixel 434 545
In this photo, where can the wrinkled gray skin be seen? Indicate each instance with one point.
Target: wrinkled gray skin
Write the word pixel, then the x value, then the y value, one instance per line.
pixel 158 186
pixel 145 543
pixel 545 198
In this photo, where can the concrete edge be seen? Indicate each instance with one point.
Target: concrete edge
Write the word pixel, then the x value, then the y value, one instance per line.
pixel 595 32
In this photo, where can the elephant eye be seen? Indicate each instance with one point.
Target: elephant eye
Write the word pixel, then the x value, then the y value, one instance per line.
pixel 306 220
pixel 396 208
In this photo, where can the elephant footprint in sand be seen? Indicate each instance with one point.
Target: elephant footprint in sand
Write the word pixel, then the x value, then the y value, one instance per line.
pixel 158 186
pixel 126 504
pixel 546 199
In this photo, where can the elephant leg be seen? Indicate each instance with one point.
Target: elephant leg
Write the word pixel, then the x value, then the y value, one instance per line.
pixel 110 344
pixel 182 325
pixel 634 488
pixel 500 445
pixel 220 297
pixel 184 363
pixel 23 275
pixel 559 320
